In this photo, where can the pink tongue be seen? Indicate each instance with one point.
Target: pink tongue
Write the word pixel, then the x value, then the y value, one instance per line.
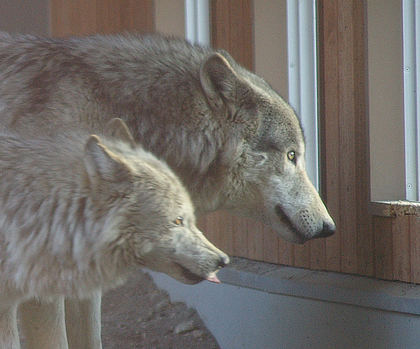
pixel 214 278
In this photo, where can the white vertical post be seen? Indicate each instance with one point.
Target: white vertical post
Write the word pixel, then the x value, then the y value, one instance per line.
pixel 417 62
pixel 410 100
pixel 190 20
pixel 197 21
pixel 293 54
pixel 303 89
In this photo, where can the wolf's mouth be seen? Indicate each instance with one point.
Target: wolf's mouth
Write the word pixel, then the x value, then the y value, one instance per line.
pixel 189 276
pixel 284 218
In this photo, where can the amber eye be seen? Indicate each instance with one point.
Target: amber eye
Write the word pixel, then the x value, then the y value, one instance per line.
pixel 291 155
pixel 179 221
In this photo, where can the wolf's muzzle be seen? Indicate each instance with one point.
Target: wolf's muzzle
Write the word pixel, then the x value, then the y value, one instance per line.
pixel 328 229
pixel 224 260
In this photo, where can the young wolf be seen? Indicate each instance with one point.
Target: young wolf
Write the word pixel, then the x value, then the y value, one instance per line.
pixel 78 213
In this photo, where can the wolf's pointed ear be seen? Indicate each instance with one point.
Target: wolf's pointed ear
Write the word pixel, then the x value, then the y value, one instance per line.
pixel 118 129
pixel 101 163
pixel 218 80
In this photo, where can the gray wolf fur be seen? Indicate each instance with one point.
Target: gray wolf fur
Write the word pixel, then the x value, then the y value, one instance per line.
pixel 79 212
pixel 233 141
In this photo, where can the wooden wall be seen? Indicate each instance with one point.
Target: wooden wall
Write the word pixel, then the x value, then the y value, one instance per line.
pixel 232 29
pixel 84 17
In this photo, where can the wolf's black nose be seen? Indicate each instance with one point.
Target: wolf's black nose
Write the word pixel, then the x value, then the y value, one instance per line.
pixel 224 260
pixel 328 229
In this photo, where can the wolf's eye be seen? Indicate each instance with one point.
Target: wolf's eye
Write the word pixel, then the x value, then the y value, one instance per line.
pixel 291 155
pixel 179 221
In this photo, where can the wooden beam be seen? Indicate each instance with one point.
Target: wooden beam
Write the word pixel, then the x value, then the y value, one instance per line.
pixel 232 29
pixel 345 134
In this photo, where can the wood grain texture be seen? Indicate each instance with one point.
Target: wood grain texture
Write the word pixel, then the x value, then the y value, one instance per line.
pixel 328 45
pixel 86 17
pixel 414 248
pixel 232 29
pixel 344 134
pixel 382 229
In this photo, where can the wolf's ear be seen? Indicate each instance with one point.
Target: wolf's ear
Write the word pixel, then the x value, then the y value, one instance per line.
pixel 117 128
pixel 101 163
pixel 218 80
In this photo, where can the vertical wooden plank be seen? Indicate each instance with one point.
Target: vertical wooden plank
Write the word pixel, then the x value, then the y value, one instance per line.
pixel 255 240
pixel 302 256
pixel 232 29
pixel 85 17
pixel 231 233
pixel 270 245
pixel 108 16
pixel 209 225
pixel 317 254
pixel 383 253
pixel 286 252
pixel 226 228
pixel 346 115
pixel 76 17
pixel 415 248
pixel 329 96
pixel 401 248
pixel 115 16
pixel 240 238
pixel 137 15
pixel 365 241
pixel 344 130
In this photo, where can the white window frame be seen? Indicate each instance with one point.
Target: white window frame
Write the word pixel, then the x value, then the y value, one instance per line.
pixel 411 73
pixel 303 87
pixel 197 21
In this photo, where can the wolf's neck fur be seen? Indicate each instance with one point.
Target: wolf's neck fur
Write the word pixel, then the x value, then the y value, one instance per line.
pixel 197 159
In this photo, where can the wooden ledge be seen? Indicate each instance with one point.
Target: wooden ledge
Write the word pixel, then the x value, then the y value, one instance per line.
pixel 394 208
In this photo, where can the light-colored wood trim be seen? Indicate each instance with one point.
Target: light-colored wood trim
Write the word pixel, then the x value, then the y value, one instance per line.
pixel 394 208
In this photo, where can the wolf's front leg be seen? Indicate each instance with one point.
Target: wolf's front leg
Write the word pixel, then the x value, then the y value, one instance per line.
pixel 9 337
pixel 43 324
pixel 83 323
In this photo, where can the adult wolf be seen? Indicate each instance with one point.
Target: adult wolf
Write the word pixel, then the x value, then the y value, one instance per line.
pixel 234 142
pixel 78 213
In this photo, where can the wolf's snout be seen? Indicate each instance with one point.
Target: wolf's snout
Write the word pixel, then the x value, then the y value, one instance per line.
pixel 306 225
pixel 224 260
pixel 328 229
